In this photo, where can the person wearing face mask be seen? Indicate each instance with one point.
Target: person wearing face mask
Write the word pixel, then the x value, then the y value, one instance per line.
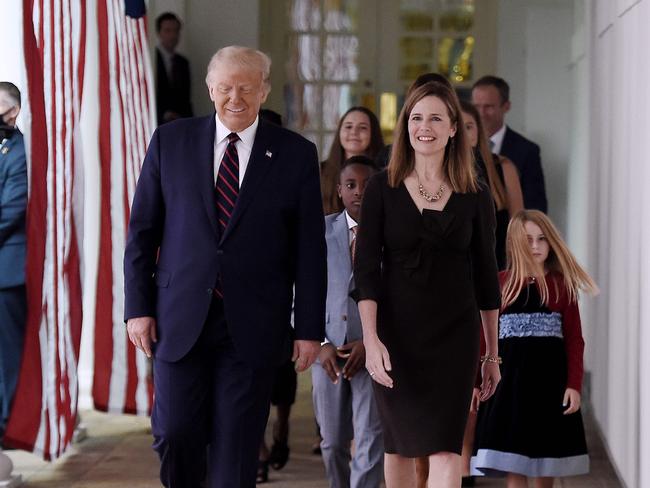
pixel 358 134
pixel 13 206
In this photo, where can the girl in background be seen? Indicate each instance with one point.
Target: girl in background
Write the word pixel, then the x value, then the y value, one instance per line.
pixel 501 175
pixel 532 427
pixel 357 134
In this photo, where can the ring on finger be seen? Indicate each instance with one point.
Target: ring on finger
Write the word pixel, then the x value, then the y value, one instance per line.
pixel 372 373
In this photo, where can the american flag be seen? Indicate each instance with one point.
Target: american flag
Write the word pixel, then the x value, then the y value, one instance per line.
pixel 55 36
pixel 45 404
pixel 122 379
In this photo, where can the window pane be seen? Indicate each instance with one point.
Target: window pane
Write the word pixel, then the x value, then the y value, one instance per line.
pixel 328 137
pixel 340 62
pixel 336 100
pixel 455 57
pixel 306 57
pixel 417 15
pixel 305 15
pixel 416 47
pixel 340 15
pixel 302 106
pixel 456 15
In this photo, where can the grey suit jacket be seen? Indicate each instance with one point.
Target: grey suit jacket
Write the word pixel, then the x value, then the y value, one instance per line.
pixel 343 323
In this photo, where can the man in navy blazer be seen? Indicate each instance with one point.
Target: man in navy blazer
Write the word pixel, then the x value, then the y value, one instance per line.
pixel 172 72
pixel 13 206
pixel 491 97
pixel 209 282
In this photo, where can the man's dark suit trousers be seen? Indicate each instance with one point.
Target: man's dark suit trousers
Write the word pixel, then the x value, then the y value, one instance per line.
pixel 210 406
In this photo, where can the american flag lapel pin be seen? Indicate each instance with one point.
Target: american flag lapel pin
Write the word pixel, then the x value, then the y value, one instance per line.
pixel 268 153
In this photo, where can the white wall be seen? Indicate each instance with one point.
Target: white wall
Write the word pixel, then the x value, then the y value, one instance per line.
pixel 618 217
pixel 534 56
pixel 208 26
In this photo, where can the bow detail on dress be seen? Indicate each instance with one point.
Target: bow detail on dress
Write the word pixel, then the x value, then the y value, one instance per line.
pixel 419 262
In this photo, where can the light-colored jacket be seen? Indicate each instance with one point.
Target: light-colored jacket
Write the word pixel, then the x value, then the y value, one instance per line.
pixel 342 322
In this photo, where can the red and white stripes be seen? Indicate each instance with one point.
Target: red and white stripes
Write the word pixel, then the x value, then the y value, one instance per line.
pixel 56 62
pixel 45 405
pixel 122 378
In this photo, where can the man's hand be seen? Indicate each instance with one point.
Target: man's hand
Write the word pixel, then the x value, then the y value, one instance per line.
pixel 356 357
pixel 327 358
pixel 304 354
pixel 142 333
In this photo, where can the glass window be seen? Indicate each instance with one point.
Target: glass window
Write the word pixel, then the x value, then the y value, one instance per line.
pixel 323 67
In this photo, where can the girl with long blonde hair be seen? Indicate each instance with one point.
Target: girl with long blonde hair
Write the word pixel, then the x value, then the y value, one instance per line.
pixel 532 426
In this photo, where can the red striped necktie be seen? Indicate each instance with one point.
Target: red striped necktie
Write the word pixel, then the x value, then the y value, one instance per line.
pixel 227 185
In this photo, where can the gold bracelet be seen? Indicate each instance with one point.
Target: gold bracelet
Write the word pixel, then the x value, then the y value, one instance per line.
pixel 491 359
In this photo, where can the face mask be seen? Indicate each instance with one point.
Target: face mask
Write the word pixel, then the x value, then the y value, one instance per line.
pixel 6 131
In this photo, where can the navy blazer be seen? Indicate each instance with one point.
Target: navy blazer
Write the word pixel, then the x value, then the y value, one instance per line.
pixel 275 239
pixel 525 155
pixel 13 206
pixel 173 94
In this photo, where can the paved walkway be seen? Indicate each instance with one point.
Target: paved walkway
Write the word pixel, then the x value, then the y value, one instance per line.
pixel 117 454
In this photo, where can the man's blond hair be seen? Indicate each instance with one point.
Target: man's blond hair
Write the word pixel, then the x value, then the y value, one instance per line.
pixel 245 57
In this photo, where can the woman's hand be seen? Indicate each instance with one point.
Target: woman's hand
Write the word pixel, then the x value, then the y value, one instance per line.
pixel 571 401
pixel 378 361
pixel 491 376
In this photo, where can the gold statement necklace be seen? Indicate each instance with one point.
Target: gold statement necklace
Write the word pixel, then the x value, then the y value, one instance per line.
pixel 429 197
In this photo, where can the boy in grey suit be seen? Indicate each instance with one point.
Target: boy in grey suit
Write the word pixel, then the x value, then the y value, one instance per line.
pixel 342 389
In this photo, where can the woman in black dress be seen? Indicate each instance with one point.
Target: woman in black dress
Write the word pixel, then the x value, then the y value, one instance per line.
pixel 424 267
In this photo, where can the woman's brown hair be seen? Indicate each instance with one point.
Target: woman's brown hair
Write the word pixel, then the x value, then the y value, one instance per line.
pixel 458 162
pixel 496 186
pixel 331 167
pixel 522 266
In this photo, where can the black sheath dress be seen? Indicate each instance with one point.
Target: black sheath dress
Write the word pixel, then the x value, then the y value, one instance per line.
pixel 429 273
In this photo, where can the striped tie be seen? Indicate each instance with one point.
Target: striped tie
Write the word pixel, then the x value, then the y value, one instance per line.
pixel 227 183
pixel 227 187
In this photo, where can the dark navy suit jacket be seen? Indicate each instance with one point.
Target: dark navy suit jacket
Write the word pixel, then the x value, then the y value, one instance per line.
pixel 275 239
pixel 526 156
pixel 173 94
pixel 13 205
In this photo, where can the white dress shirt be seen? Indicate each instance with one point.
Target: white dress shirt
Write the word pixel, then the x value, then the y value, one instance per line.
pixel 244 146
pixel 497 139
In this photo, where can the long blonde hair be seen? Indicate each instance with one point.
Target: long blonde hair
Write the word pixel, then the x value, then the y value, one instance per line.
pixel 521 264
pixel 458 162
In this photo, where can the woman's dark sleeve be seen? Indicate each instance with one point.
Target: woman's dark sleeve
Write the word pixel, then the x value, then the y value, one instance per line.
pixel 484 263
pixel 368 253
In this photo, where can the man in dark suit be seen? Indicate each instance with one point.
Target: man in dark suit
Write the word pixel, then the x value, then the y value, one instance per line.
pixel 172 72
pixel 226 220
pixel 491 96
pixel 13 205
